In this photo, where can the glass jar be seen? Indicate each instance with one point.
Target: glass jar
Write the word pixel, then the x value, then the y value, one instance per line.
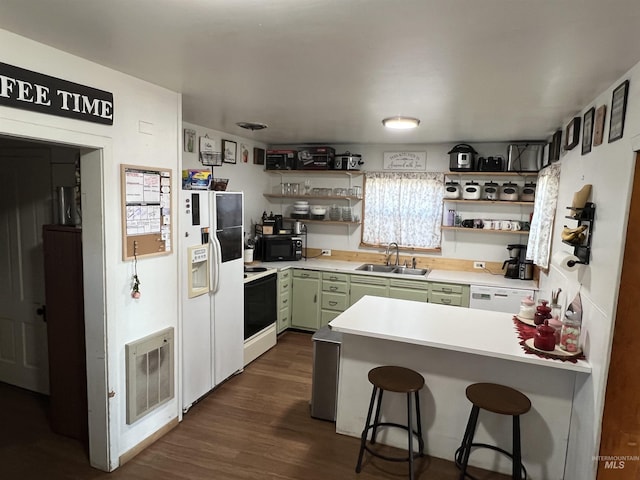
pixel 527 308
pixel 335 213
pixel 570 335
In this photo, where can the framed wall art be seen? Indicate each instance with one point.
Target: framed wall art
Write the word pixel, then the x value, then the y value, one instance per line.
pixel 618 111
pixel 189 139
pixel 555 146
pixel 598 126
pixel 587 130
pixel 572 134
pixel 258 156
pixel 229 151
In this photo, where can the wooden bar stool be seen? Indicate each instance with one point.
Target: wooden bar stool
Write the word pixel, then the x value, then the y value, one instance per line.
pixel 399 380
pixel 503 401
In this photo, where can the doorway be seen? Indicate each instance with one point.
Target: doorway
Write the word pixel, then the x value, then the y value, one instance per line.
pixel 91 150
pixel 620 422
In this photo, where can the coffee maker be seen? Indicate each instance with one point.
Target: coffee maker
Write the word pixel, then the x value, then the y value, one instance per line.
pixel 517 254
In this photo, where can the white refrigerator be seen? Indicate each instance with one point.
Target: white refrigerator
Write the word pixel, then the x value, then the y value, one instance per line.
pixel 211 249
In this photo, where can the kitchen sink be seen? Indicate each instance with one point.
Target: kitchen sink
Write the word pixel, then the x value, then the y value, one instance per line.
pixel 372 267
pixel 410 271
pixel 400 270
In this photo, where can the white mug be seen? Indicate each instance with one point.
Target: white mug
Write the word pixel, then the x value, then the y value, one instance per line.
pixel 488 224
pixel 515 225
pixel 505 225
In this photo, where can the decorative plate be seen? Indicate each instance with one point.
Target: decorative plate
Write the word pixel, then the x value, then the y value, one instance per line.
pixel 526 321
pixel 558 352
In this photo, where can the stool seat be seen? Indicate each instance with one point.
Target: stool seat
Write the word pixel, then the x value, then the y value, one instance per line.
pixel 396 379
pixel 501 400
pixel 498 399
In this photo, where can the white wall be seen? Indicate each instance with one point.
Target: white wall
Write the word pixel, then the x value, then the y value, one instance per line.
pixel 610 169
pixel 125 319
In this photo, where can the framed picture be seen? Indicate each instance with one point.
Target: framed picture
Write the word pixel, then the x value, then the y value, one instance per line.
pixel 618 111
pixel 229 150
pixel 587 130
pixel 258 156
pixel 598 127
pixel 555 146
pixel 189 139
pixel 573 134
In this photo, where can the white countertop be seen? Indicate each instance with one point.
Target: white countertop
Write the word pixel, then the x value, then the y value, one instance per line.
pixel 452 276
pixel 479 332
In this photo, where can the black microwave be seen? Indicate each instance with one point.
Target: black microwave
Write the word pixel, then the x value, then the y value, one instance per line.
pixel 276 248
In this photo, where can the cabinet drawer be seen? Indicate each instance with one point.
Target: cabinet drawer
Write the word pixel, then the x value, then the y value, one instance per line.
pixel 284 319
pixel 369 280
pixel 283 300
pixel 334 301
pixel 446 298
pixel 284 275
pixel 335 287
pixel 306 274
pixel 447 287
pixel 285 285
pixel 335 277
pixel 412 284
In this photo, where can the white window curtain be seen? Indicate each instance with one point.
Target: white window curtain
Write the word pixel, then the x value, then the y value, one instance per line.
pixel 544 212
pixel 403 207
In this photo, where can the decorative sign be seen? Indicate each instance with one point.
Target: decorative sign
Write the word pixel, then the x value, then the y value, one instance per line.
pixel 27 90
pixel 405 160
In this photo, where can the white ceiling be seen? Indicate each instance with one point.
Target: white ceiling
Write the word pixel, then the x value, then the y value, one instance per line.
pixel 328 71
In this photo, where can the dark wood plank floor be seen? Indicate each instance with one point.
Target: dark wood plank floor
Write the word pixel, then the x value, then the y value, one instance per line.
pixel 254 426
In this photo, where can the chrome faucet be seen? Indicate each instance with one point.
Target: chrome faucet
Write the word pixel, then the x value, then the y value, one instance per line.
pixel 388 253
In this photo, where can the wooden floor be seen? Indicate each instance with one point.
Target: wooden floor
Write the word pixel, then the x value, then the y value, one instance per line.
pixel 254 426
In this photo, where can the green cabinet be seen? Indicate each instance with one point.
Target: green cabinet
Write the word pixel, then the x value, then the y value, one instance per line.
pixel 362 285
pixel 305 313
pixel 403 289
pixel 449 294
pixel 284 300
pixel 335 296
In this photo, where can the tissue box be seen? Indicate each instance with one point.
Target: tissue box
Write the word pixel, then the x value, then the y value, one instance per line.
pixel 196 179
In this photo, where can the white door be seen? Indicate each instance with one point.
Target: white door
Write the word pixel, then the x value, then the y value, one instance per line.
pixel 25 205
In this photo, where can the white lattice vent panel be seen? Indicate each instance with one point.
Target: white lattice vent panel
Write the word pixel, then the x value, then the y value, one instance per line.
pixel 149 373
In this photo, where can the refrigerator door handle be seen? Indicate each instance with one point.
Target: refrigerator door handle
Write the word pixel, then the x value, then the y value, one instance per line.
pixel 216 261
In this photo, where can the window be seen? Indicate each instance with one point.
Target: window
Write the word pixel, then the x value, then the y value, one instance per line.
pixel 405 208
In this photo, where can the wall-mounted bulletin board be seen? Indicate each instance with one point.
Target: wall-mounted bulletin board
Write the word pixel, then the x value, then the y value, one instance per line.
pixel 146 211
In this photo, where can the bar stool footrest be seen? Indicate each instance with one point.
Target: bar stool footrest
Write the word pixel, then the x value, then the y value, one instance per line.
pixel 458 455
pixel 419 453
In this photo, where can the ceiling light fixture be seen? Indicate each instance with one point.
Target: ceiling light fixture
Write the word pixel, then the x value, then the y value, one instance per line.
pixel 401 123
pixel 252 125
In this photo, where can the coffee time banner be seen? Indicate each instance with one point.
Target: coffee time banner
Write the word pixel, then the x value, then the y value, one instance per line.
pixel 27 90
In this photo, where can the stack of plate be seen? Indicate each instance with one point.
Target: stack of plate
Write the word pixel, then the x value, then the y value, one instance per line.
pixel 300 209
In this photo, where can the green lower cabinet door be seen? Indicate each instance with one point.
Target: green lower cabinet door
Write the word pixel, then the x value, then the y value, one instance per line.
pixel 305 299
pixel 363 285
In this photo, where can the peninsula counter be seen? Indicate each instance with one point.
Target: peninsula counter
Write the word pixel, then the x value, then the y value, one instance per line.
pixel 453 347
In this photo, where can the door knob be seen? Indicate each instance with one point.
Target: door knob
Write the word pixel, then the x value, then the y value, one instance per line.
pixel 42 311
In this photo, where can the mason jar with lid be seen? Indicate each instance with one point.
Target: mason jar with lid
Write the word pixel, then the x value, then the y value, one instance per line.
pixel 570 335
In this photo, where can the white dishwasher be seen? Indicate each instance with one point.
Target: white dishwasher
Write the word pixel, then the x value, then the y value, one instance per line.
pixel 498 299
